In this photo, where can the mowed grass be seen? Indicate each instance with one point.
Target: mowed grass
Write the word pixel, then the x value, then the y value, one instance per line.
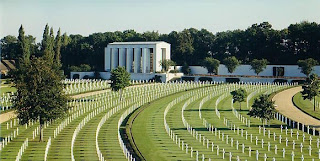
pixel 305 105
pixel 155 144
pixel 150 136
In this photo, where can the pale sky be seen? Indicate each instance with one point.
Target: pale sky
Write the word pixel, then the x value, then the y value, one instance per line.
pixel 89 16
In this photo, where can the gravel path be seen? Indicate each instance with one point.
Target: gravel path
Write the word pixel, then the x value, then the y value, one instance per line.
pixel 285 106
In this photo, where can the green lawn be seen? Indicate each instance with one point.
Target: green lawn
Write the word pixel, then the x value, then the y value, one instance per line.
pixel 155 144
pixel 306 105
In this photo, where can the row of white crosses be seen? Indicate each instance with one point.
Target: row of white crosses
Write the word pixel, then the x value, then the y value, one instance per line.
pixel 238 133
pixel 301 146
pixel 6 101
pixel 80 86
pixel 47 149
pixel 22 149
pixel 125 114
pixel 159 91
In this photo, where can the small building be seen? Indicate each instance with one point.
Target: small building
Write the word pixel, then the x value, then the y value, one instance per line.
pixel 136 57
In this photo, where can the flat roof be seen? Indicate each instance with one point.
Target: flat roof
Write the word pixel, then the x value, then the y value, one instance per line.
pixel 138 43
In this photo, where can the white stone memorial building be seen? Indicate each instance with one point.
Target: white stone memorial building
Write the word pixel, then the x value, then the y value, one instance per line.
pixel 136 57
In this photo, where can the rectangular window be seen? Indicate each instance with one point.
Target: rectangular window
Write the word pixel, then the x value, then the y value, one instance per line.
pixel 151 59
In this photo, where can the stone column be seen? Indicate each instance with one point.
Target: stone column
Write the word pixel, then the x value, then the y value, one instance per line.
pixel 107 59
pixel 137 60
pixel 129 59
pixel 114 58
pixel 122 57
pixel 144 60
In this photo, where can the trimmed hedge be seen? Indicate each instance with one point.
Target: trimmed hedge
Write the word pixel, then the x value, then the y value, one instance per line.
pixel 232 80
pixel 280 81
pixel 204 79
pixel 188 78
pixel 298 81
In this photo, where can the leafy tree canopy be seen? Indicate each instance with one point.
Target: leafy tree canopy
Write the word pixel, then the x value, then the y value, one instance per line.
pixel 307 65
pixel 231 63
pixel 311 88
pixel 120 78
pixel 239 95
pixel 262 108
pixel 258 65
pixel 211 64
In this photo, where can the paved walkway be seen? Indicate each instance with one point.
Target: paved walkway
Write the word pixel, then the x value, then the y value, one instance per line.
pixel 285 106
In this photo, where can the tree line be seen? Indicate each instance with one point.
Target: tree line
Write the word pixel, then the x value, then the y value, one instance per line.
pixel 190 46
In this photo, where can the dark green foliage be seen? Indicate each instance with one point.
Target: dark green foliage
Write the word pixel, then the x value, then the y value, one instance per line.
pixel 187 79
pixel 39 85
pixel 185 69
pixel 232 80
pixel 81 68
pixel 311 88
pixel 174 71
pixel 262 108
pixel 258 65
pixel 120 78
pixel 204 79
pixel 259 41
pixel 166 64
pixel 211 64
pixel 280 81
pixel 76 76
pixel 307 65
pixel 231 63
pixel 298 81
pixel 239 95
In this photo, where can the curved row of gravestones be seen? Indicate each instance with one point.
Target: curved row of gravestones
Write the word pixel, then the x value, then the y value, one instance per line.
pixel 305 146
pixel 82 112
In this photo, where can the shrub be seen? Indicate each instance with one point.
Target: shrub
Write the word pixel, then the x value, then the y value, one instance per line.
pixel 188 78
pixel 76 76
pixel 174 71
pixel 204 79
pixel 280 81
pixel 232 80
pixel 298 81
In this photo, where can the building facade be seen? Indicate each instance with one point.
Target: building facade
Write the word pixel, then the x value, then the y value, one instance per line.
pixel 136 57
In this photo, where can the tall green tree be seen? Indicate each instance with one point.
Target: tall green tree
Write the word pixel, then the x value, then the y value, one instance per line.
pixel 258 65
pixel 239 95
pixel 185 46
pixel 120 79
pixel 306 66
pixel 24 47
pixel 311 89
pixel 39 95
pixel 231 63
pixel 262 108
pixel 57 49
pixel 211 65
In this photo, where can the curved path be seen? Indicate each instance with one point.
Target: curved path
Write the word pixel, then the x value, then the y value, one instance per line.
pixel 285 106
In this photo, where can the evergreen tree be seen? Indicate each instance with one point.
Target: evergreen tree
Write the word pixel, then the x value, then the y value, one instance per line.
pixel 39 95
pixel 24 47
pixel 57 49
